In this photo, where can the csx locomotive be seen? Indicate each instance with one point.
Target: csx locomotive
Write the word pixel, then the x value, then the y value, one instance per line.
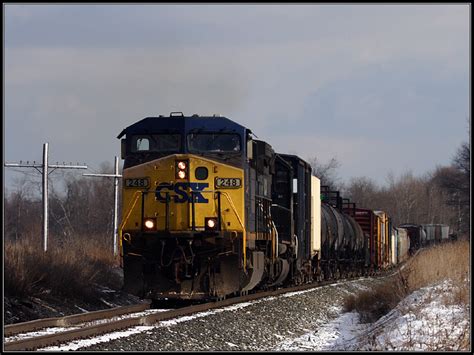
pixel 208 211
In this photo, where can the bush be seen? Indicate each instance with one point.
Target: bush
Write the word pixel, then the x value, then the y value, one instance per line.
pixel 70 268
pixel 373 304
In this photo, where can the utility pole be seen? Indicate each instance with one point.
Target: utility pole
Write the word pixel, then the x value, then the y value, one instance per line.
pixel 43 169
pixel 116 177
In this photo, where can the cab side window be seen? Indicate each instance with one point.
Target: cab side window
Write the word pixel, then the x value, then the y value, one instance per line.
pixel 142 144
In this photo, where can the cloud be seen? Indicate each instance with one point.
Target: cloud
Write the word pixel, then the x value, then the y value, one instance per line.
pixel 76 75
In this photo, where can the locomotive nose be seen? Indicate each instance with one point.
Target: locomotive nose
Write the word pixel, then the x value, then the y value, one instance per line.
pixel 184 193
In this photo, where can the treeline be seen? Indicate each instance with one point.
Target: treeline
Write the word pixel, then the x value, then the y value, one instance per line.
pixel 439 196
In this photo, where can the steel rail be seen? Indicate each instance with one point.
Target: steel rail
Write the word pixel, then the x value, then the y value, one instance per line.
pixel 24 327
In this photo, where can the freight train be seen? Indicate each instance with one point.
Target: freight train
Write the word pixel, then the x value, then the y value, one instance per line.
pixel 424 235
pixel 208 211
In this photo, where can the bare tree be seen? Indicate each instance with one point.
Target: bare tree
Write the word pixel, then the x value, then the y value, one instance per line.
pixel 455 181
pixel 89 205
pixel 462 159
pixel 22 209
pixel 326 172
pixel 363 191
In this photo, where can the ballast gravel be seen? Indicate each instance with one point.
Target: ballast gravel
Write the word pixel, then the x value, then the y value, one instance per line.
pixel 259 325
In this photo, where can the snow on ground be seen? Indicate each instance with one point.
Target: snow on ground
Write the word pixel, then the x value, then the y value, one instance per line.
pixel 53 330
pixel 426 322
pixel 422 321
pixel 328 337
pixel 111 336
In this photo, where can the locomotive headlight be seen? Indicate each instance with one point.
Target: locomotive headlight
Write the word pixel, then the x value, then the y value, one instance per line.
pixel 149 223
pixel 181 169
pixel 211 223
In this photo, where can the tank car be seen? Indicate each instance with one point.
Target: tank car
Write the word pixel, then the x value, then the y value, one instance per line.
pixel 342 239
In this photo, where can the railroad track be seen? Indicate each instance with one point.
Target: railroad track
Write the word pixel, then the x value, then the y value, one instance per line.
pixel 20 336
pixel 92 324
pixel 80 329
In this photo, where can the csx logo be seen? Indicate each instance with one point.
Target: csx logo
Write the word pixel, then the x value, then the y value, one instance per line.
pixel 178 192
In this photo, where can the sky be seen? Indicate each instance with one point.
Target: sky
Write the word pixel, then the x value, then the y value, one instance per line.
pixel 380 87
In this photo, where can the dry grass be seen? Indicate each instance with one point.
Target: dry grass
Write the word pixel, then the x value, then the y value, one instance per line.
pixel 70 268
pixel 448 261
pixel 374 303
pixel 442 262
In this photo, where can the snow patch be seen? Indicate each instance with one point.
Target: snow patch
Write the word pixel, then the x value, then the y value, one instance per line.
pixel 107 337
pixel 108 303
pixel 420 322
pixel 81 309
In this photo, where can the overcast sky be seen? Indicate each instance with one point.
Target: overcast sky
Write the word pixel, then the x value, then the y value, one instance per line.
pixel 380 87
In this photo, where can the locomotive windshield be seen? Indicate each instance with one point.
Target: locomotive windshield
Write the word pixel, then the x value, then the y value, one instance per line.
pixel 156 143
pixel 214 142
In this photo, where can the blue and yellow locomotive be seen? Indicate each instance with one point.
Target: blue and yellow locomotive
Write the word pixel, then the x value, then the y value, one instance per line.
pixel 196 210
pixel 208 211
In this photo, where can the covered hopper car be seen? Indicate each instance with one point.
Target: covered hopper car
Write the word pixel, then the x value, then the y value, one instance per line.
pixel 436 233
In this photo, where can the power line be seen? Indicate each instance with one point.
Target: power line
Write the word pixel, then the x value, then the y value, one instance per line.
pixel 43 169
